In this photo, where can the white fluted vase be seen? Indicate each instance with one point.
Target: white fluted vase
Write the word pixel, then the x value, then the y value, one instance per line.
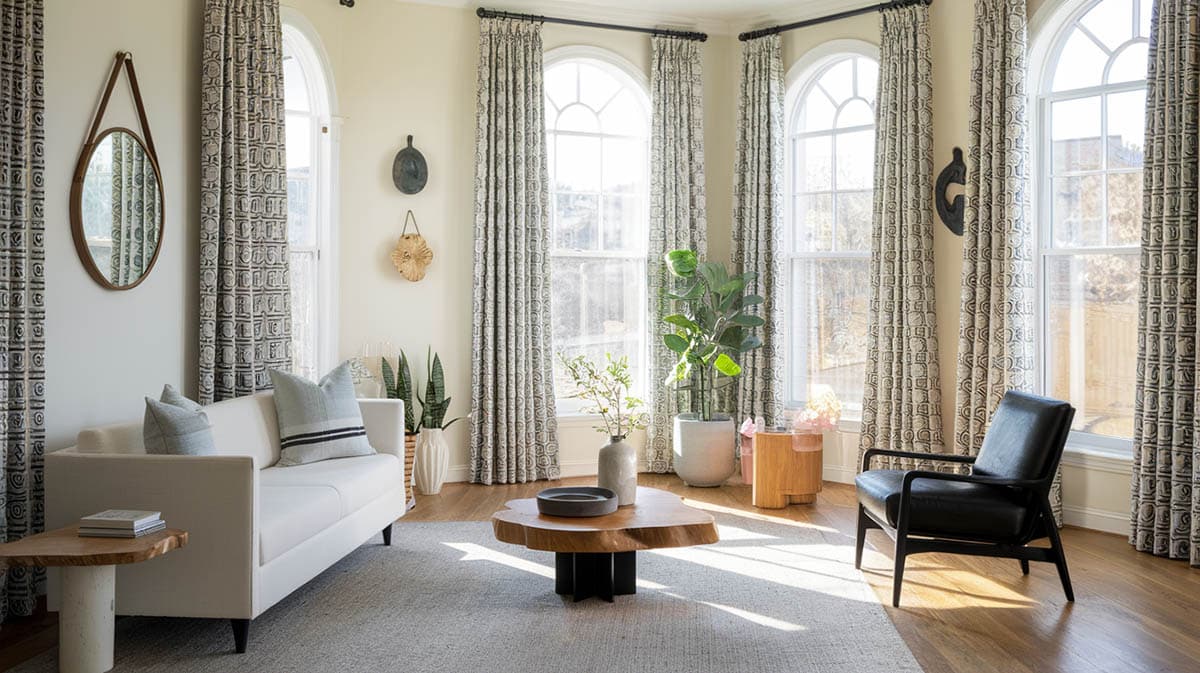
pixel 433 461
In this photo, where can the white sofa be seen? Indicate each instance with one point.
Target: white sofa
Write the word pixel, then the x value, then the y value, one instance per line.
pixel 255 532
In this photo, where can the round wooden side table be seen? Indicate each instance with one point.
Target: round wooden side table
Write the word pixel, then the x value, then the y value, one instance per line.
pixel 787 468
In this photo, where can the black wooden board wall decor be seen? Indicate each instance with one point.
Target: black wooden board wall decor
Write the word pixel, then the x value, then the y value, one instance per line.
pixel 409 170
pixel 952 213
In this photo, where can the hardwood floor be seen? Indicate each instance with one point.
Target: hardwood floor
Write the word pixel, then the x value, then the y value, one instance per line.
pixel 1133 612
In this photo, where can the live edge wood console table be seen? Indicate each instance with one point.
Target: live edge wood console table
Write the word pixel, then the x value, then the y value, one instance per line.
pixel 89 580
pixel 597 556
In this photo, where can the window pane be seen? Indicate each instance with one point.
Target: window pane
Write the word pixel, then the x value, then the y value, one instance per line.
pixel 813 222
pixel 302 225
pixel 596 87
pixel 1111 22
pixel 1091 339
pixel 1075 135
pixel 577 164
pixel 597 307
pixel 1077 211
pixel 624 219
pixel 577 118
pixel 298 141
pixel 1126 129
pixel 303 273
pixel 295 88
pixel 561 85
pixel 624 164
pixel 1130 64
pixel 816 112
pixel 1125 208
pixel 856 113
pixel 868 79
pixel 855 160
pixel 854 221
pixel 1081 63
pixel 1145 7
pixel 624 116
pixel 576 222
pixel 815 164
pixel 838 80
pixel 832 314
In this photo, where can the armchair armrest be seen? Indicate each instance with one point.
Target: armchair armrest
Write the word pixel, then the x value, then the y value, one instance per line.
pixel 915 455
pixel 214 498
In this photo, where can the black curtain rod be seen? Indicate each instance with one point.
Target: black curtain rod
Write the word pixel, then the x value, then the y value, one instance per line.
pixel 499 14
pixel 775 30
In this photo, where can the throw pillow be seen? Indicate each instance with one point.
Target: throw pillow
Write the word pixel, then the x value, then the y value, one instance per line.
pixel 175 425
pixel 318 421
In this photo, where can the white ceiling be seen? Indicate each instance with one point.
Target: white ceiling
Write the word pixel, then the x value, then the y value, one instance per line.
pixel 713 16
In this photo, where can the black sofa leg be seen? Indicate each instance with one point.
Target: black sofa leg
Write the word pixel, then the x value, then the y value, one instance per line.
pixel 1024 566
pixel 241 633
pixel 387 536
pixel 861 538
pixel 1060 555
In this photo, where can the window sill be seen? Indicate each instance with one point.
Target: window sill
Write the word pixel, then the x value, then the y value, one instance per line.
pixel 1099 459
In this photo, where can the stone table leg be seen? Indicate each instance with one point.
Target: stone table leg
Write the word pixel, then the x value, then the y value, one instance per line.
pixel 85 623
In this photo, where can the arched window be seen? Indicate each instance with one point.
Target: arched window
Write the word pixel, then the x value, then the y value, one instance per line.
pixel 310 170
pixel 830 175
pixel 597 127
pixel 1090 113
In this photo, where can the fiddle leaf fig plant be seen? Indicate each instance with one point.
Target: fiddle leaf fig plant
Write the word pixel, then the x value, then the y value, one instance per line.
pixel 711 328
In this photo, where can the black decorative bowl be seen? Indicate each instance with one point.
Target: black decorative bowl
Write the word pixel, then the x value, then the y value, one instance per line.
pixel 577 501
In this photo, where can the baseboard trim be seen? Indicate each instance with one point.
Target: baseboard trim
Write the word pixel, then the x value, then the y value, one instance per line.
pixel 578 468
pixel 1096 519
pixel 838 474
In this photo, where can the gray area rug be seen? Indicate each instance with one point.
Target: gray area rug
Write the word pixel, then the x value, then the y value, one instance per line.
pixel 769 598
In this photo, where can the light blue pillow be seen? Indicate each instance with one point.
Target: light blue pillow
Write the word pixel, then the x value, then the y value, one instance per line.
pixel 318 421
pixel 174 425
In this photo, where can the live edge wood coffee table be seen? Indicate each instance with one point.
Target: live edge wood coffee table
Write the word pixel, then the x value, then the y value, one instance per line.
pixel 86 622
pixel 597 556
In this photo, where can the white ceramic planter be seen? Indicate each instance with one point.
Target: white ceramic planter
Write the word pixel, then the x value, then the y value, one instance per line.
pixel 433 461
pixel 704 449
pixel 618 471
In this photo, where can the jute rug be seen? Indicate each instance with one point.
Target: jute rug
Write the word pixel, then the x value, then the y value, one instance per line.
pixel 447 597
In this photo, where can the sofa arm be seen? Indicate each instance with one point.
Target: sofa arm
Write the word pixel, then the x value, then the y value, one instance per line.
pixel 384 420
pixel 213 498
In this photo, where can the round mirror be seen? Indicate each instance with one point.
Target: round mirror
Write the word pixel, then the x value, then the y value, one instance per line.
pixel 117 210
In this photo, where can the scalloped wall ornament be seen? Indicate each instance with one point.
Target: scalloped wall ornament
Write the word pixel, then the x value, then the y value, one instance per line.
pixel 412 254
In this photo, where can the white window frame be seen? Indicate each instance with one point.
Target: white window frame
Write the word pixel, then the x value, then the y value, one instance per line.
pixel 326 128
pixel 626 73
pixel 1050 27
pixel 799 79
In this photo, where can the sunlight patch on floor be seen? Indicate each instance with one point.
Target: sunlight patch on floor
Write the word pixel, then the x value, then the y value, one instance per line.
pixel 729 533
pixel 754 617
pixel 756 516
pixel 476 552
pixel 778 567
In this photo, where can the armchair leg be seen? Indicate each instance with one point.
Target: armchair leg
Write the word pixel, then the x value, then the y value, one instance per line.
pixel 241 633
pixel 898 575
pixel 387 536
pixel 1056 546
pixel 860 538
pixel 1024 566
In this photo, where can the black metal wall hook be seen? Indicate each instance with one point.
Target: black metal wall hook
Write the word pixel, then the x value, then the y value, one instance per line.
pixel 347 3
pixel 951 213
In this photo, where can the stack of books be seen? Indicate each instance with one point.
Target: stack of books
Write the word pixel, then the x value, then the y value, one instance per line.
pixel 121 523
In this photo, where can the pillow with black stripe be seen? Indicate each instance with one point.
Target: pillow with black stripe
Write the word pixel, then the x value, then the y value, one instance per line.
pixel 318 421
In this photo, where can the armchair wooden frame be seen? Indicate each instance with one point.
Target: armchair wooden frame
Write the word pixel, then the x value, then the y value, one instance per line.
pixel 917 542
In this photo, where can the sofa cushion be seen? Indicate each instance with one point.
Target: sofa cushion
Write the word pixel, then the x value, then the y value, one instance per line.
pixel 289 515
pixel 358 481
pixel 318 421
pixel 945 508
pixel 245 426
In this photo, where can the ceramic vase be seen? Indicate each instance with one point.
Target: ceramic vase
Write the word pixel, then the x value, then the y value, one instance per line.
pixel 703 450
pixel 433 461
pixel 618 470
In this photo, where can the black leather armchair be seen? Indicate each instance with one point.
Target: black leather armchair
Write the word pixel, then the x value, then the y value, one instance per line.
pixel 997 510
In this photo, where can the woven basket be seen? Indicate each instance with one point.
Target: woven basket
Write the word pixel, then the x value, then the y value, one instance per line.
pixel 410 459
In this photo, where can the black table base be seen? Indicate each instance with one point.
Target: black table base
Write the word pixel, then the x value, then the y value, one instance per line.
pixel 601 575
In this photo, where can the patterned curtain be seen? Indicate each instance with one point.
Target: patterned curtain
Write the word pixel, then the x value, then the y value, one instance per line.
pixel 758 221
pixel 1165 516
pixel 245 294
pixel 901 396
pixel 514 429
pixel 23 313
pixel 677 216
pixel 136 208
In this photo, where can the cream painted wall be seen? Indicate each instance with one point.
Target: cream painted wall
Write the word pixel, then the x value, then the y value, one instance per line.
pixel 106 350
